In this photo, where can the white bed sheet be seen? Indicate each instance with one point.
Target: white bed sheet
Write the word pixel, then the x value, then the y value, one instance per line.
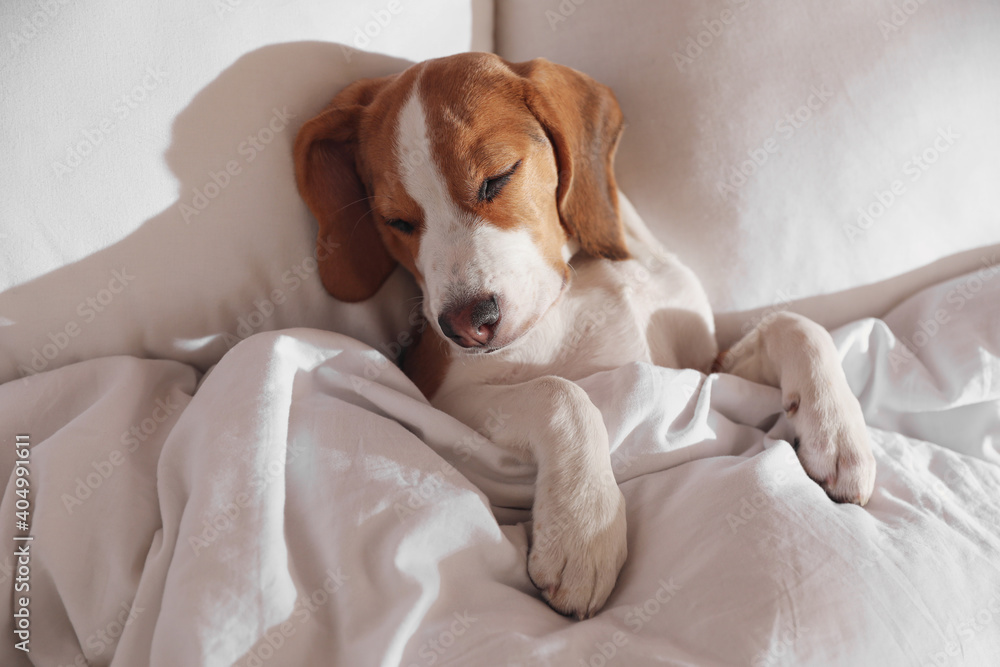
pixel 307 506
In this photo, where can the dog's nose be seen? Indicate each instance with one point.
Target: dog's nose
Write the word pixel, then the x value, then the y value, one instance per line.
pixel 472 324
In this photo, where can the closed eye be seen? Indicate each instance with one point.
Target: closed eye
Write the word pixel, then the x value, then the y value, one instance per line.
pixel 491 187
pixel 400 225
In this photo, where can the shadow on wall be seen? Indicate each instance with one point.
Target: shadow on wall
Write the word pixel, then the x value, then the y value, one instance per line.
pixel 873 300
pixel 233 255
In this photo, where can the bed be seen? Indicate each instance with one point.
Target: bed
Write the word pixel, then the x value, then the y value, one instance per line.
pixel 208 461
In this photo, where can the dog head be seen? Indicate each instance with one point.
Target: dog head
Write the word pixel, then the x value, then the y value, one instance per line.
pixel 481 177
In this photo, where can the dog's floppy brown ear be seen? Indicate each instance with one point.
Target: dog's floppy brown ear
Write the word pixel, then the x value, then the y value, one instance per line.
pixel 353 262
pixel 584 122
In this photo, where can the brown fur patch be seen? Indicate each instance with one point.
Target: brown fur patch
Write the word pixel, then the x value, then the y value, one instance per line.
pixel 426 362
pixel 354 260
pixel 479 126
pixel 483 115
pixel 584 121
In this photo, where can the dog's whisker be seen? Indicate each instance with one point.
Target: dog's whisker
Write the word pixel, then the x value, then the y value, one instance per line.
pixel 347 206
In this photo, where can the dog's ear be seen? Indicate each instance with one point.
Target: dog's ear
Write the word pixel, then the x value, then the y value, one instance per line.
pixel 584 122
pixel 353 262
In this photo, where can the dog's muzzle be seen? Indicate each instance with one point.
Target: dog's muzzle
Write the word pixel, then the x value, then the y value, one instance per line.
pixel 473 323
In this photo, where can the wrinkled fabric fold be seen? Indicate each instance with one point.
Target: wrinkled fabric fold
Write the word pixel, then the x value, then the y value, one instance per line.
pixel 306 505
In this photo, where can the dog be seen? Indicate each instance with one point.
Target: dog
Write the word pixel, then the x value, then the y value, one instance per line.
pixel 493 184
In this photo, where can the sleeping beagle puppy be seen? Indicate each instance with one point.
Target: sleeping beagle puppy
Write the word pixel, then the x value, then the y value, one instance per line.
pixel 493 184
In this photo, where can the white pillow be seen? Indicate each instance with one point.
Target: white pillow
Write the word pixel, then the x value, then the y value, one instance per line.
pixel 150 203
pixel 787 149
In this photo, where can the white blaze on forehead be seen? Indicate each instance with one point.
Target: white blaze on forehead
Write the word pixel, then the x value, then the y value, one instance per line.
pixel 462 256
pixel 421 176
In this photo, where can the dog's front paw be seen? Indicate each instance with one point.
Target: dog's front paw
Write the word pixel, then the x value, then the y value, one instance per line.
pixel 833 443
pixel 578 546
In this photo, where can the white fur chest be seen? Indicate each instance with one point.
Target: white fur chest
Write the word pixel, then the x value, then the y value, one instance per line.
pixel 613 314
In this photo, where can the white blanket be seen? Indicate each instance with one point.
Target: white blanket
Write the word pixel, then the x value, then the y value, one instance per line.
pixel 302 504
